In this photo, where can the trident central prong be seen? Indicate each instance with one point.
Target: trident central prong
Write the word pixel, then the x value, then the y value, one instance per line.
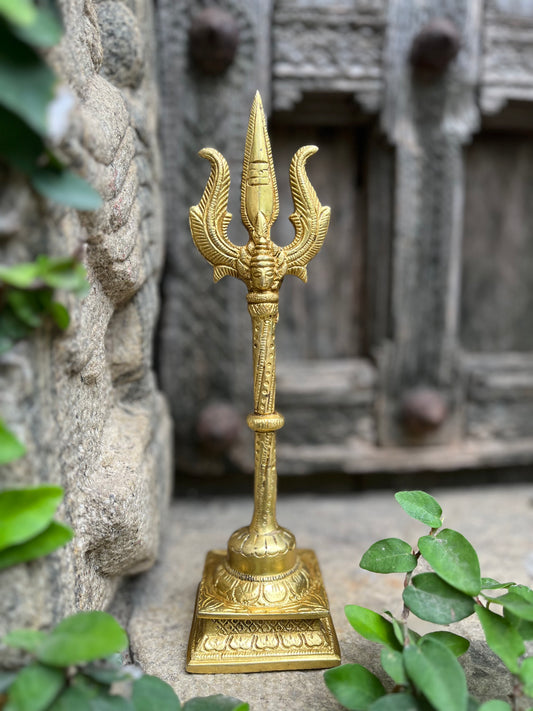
pixel 262 576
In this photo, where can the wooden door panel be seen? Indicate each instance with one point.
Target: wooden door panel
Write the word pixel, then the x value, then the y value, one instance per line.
pixel 323 318
pixel 497 265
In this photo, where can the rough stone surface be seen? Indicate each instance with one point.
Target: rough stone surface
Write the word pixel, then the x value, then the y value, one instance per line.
pixel 497 520
pixel 85 402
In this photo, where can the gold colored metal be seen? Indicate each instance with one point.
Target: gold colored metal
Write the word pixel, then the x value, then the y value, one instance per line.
pixel 262 604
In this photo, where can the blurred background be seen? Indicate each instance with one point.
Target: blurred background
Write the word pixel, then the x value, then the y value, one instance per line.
pixel 408 355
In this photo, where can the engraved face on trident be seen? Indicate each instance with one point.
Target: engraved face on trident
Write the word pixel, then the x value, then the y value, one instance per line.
pixel 263 577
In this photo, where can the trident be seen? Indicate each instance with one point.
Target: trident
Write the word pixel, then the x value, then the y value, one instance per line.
pixel 263 547
pixel 263 576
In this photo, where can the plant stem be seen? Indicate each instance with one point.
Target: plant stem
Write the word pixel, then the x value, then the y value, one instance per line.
pixel 406 581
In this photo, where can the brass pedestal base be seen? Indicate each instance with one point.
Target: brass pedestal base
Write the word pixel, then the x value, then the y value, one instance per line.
pixel 261 624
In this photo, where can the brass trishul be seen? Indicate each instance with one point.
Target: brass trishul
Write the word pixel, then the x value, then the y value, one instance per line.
pixel 261 605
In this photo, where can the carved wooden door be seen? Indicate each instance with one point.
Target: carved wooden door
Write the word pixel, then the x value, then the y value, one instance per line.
pixel 409 348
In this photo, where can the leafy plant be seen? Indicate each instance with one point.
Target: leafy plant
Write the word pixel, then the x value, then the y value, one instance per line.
pixel 33 105
pixel 10 447
pixel 424 669
pixel 27 295
pixel 77 665
pixel 27 528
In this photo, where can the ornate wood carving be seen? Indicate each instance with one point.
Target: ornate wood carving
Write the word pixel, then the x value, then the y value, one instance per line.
pixel 323 46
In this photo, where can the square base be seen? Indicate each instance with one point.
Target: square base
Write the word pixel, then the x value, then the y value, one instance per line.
pixel 277 638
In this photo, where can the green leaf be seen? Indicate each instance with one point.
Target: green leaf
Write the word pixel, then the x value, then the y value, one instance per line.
pixel 353 686
pixel 26 512
pixel 59 314
pixel 52 538
pixel 453 558
pixel 35 688
pixel 420 506
pixel 6 679
pixel 26 306
pixel 72 699
pixel 491 584
pixel 19 144
pixel 218 702
pixel 25 639
pixel 391 555
pixel 11 328
pixel 26 82
pixel 65 187
pixel 83 637
pixel 456 644
pixel 372 626
pixel 63 273
pixel 108 702
pixel 20 275
pixel 106 673
pixel 431 599
pixel 20 12
pixel 501 637
pixel 149 693
pixel 524 628
pixel 526 675
pixel 396 702
pixel 518 600
pixel 44 30
pixel 437 673
pixel 392 663
pixel 10 449
pixel 495 705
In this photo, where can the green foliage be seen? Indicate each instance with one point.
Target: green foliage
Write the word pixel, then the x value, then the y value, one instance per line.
pixel 434 670
pixel 353 686
pixel 456 644
pixel 396 702
pixel 431 599
pixel 392 663
pixel 75 666
pixel 27 295
pixel 526 675
pixel 33 109
pixel 217 702
pixel 28 91
pixel 52 538
pixel 27 528
pixel 501 637
pixel 82 638
pixel 10 447
pixel 62 185
pixel 371 626
pixel 26 512
pixel 35 687
pixel 425 670
pixel 149 692
pixel 518 600
pixel 391 555
pixel 453 559
pixel 420 506
pixel 22 13
pixel 45 28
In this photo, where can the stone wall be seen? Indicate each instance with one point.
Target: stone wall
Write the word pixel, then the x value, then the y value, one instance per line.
pixel 85 402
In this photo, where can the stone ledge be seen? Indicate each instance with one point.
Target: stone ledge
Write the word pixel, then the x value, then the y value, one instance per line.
pixel 497 520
